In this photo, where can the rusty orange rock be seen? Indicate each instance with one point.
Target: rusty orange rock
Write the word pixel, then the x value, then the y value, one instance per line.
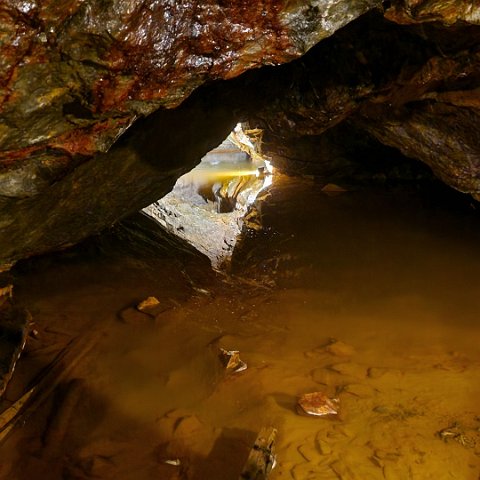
pixel 317 404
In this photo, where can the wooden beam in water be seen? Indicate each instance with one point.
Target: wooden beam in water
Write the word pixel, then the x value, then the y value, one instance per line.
pixel 261 459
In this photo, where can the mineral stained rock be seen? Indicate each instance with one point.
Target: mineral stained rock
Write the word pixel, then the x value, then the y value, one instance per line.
pixel 75 75
pixel 138 170
pixel 78 77
pixel 446 11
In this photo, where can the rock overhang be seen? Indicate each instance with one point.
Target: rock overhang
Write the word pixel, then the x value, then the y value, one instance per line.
pixel 79 77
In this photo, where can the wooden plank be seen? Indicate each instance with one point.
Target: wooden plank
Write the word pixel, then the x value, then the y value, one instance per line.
pixel 261 459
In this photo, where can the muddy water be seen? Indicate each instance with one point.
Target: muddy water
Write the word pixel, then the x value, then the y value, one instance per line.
pixel 370 296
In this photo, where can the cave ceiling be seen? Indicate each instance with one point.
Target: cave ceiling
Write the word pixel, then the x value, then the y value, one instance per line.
pixel 105 103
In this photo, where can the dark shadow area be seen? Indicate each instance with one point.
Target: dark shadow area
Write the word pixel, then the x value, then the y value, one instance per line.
pixel 228 455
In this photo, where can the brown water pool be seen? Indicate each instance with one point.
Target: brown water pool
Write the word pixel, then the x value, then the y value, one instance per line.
pixel 371 296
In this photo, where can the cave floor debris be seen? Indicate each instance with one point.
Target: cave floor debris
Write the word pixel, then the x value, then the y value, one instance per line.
pixel 14 328
pixel 375 303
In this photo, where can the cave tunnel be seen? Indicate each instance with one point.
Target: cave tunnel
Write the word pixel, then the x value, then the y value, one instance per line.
pixel 239 240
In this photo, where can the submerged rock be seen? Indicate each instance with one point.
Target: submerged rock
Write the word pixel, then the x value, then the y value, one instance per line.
pixel 231 361
pixel 317 404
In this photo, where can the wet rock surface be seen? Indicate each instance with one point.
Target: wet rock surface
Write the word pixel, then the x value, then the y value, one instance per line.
pixel 377 84
pixel 209 206
pixel 77 78
pixel 76 74
pixel 416 11
pixel 141 168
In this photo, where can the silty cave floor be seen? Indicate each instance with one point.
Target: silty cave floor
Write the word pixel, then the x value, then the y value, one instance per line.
pixel 371 296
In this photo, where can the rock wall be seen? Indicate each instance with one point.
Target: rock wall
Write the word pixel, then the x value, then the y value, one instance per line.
pixel 447 12
pixel 78 78
pixel 412 88
pixel 75 75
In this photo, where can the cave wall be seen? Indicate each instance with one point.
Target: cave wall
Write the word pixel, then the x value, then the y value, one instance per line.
pixel 413 88
pixel 75 75
pixel 117 183
pixel 104 103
